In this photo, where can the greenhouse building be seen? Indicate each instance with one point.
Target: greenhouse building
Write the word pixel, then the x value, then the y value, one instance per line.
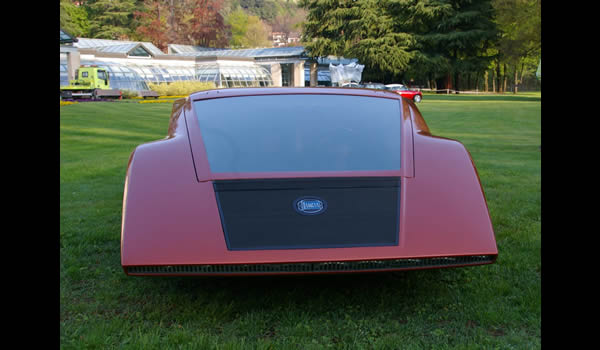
pixel 132 65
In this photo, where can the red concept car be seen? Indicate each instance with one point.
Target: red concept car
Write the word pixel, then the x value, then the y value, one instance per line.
pixel 256 181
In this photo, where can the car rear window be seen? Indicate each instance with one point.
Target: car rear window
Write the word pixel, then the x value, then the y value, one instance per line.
pixel 281 133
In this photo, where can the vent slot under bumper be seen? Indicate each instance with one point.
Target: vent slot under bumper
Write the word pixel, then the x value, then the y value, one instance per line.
pixel 313 267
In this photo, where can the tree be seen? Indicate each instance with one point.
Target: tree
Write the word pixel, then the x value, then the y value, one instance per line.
pixel 519 22
pixel 288 21
pixel 420 18
pixel 443 40
pixel 203 25
pixel 257 34
pixel 111 19
pixel 247 30
pixel 461 34
pixel 73 19
pixel 362 29
pixel 238 23
pixel 266 10
pixel 153 25
pixel 192 22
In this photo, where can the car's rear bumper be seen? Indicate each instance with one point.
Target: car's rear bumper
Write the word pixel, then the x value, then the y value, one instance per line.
pixel 311 267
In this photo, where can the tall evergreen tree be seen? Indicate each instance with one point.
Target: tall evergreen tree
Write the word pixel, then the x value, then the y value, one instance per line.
pixel 111 19
pixel 420 17
pixel 462 33
pixel 429 38
pixel 361 29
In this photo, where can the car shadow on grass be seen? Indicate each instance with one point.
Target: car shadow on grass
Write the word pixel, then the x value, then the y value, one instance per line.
pixel 313 294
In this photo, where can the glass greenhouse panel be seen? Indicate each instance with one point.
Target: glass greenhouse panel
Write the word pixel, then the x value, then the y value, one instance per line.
pixel 135 76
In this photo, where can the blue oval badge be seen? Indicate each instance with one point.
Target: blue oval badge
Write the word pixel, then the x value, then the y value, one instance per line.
pixel 310 205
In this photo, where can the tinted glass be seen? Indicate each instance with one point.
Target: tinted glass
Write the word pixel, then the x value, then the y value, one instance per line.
pixel 139 51
pixel 300 133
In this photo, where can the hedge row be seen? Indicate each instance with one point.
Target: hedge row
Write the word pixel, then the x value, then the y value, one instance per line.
pixel 180 87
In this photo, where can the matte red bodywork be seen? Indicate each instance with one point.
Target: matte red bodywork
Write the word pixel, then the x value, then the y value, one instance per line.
pixel 170 213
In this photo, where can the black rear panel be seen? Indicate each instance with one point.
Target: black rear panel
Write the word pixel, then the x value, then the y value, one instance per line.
pixel 309 213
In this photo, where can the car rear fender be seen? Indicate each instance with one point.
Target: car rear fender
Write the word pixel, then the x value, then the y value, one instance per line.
pixel 161 188
pixel 445 206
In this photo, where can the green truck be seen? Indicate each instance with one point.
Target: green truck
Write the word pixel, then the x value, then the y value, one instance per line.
pixel 90 82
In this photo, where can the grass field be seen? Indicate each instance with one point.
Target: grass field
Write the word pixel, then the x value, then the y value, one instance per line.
pixel 493 307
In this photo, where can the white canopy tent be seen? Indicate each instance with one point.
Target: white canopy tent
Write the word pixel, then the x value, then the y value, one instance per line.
pixel 342 74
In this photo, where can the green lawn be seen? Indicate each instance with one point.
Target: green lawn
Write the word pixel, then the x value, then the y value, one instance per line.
pixel 493 306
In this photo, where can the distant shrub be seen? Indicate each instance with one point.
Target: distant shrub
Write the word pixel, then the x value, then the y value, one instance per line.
pixel 161 88
pixel 157 101
pixel 128 93
pixel 180 88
